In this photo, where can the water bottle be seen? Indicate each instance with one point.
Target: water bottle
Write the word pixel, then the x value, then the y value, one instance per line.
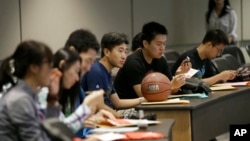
pixel 142 123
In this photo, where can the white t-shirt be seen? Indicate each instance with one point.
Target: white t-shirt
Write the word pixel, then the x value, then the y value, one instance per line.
pixel 227 23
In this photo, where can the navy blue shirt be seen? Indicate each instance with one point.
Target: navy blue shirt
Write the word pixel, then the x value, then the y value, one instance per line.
pixel 204 66
pixel 99 78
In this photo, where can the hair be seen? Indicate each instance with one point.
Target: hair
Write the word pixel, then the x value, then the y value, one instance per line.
pixel 82 40
pixel 70 57
pixel 212 5
pixel 27 53
pixel 216 37
pixel 150 30
pixel 136 42
pixel 112 39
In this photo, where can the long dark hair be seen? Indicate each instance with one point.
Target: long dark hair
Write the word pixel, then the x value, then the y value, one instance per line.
pixel 212 5
pixel 69 57
pixel 26 54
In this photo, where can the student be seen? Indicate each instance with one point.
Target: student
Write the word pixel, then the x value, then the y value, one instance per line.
pixel 21 76
pixel 220 15
pixel 86 45
pixel 67 63
pixel 148 59
pixel 135 46
pixel 136 42
pixel 114 48
pixel 211 47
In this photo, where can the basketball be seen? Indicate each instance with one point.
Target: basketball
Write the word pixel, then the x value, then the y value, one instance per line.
pixel 155 87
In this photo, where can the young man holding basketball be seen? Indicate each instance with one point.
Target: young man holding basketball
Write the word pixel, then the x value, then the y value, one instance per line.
pixel 114 48
pixel 149 59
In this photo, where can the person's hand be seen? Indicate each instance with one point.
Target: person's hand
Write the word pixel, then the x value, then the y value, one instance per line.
pixel 184 67
pixel 227 75
pixel 99 117
pixel 55 77
pixel 89 122
pixel 54 86
pixel 95 101
pixel 178 81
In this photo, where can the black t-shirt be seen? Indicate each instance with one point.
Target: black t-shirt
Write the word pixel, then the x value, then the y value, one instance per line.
pixel 204 66
pixel 133 72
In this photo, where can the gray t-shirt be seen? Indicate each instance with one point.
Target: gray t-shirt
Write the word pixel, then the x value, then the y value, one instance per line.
pixel 20 117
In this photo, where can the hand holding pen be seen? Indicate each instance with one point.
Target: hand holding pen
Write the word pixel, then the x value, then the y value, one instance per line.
pixel 184 67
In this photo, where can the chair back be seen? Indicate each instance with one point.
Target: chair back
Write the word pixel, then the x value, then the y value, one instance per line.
pixel 236 52
pixel 171 55
pixel 220 64
pixel 57 130
pixel 234 64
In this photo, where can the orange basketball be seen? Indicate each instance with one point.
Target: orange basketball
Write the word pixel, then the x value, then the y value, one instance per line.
pixel 155 87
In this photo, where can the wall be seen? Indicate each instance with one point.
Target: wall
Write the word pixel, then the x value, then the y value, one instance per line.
pixel 52 21
pixel 9 27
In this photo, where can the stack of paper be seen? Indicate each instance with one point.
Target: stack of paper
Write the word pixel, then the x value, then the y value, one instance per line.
pixel 246 83
pixel 124 123
pixel 220 88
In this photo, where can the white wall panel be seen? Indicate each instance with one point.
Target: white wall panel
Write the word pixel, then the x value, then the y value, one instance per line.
pixel 9 27
pixel 51 21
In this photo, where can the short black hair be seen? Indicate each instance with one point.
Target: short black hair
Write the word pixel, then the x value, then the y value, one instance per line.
pixel 112 39
pixel 215 36
pixel 150 30
pixel 136 42
pixel 82 40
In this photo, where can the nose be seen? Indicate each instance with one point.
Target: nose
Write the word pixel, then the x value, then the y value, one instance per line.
pixel 77 78
pixel 162 47
pixel 124 55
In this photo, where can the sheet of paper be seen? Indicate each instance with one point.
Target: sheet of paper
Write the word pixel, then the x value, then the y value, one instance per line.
pixel 219 88
pixel 117 130
pixel 246 83
pixel 169 101
pixel 191 73
pixel 109 136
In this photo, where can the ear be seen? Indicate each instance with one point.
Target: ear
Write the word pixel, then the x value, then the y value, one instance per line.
pixel 61 64
pixel 34 69
pixel 209 45
pixel 106 52
pixel 72 48
pixel 145 43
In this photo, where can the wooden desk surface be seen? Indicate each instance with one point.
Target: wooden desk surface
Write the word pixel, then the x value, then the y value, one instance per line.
pixel 204 119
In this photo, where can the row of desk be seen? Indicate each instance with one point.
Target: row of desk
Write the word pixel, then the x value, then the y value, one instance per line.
pixel 204 119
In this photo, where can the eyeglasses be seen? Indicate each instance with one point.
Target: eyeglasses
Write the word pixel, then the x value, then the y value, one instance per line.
pixel 219 50
pixel 88 61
